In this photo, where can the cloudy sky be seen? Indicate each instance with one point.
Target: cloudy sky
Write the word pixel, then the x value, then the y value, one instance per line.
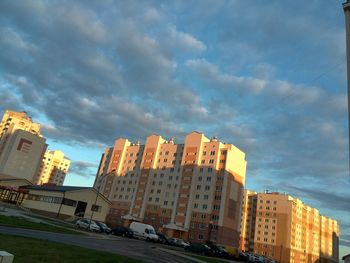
pixel 267 76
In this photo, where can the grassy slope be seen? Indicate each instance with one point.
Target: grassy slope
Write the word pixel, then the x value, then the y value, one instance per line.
pixel 36 250
pixel 24 223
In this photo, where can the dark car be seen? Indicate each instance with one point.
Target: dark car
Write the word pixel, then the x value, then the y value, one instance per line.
pixel 163 239
pixel 243 256
pixel 103 228
pixel 123 231
pixel 199 248
pixel 219 251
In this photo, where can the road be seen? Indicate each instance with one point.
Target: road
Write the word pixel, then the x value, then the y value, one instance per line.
pixel 145 251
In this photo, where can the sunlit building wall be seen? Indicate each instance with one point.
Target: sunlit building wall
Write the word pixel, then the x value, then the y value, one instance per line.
pixel 191 190
pixel 288 230
pixel 53 168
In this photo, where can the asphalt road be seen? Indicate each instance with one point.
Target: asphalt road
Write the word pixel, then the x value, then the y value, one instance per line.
pixel 145 251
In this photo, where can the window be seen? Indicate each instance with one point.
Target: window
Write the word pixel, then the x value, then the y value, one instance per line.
pixel 210 170
pixel 204 206
pixel 200 178
pixel 211 161
pixel 195 205
pixel 198 187
pixel 212 153
pixel 204 153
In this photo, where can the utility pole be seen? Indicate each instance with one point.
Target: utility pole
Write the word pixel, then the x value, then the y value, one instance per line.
pixel 346 8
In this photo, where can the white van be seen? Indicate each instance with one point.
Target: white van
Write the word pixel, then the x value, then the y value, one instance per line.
pixel 143 231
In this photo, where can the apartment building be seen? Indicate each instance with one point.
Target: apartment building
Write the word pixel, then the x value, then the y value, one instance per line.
pixel 19 121
pixel 287 230
pixel 191 190
pixel 22 154
pixel 53 168
pixel 12 121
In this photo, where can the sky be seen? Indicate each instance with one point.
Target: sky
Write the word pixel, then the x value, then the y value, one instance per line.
pixel 267 76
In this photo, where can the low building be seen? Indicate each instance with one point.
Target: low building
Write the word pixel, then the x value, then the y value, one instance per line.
pixel 346 258
pixel 10 191
pixel 285 229
pixel 66 202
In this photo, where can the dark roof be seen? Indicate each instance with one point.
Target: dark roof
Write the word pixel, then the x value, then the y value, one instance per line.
pixel 56 188
pixel 346 256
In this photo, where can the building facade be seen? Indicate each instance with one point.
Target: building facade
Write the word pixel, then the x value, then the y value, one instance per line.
pixel 22 154
pixel 191 190
pixel 53 168
pixel 66 202
pixel 18 121
pixel 287 230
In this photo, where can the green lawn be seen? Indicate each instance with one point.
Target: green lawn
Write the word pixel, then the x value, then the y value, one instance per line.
pixel 25 223
pixel 35 250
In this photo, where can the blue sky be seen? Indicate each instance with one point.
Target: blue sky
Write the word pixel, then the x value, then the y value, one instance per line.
pixel 267 76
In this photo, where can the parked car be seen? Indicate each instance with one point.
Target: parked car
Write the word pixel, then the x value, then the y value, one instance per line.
pixel 233 252
pixel 103 227
pixel 178 242
pixel 256 258
pixel 163 239
pixel 123 231
pixel 269 260
pixel 259 258
pixel 87 224
pixel 144 231
pixel 243 256
pixel 218 251
pixel 199 248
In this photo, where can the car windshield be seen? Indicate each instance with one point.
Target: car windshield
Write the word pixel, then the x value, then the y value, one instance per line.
pixel 93 223
pixel 151 231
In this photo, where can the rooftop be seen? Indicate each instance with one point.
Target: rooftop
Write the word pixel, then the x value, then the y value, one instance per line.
pixel 56 188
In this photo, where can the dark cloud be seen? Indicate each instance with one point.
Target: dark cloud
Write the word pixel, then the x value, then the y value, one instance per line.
pixel 83 169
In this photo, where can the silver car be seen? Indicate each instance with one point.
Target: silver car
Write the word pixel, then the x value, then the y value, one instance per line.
pixel 87 224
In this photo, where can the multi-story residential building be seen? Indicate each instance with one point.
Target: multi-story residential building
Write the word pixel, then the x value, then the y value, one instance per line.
pixel 22 154
pixel 53 168
pixel 248 220
pixel 191 190
pixel 287 230
pixel 18 120
pixel 12 121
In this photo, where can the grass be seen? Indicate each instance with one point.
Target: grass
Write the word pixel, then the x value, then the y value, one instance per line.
pixel 35 250
pixel 206 259
pixel 25 223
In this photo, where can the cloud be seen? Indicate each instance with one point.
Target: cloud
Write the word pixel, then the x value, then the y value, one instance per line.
pixel 84 169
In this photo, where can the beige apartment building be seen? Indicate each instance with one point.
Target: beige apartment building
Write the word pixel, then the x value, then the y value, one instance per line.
pixel 12 121
pixel 191 190
pixel 53 168
pixel 18 121
pixel 287 230
pixel 22 154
